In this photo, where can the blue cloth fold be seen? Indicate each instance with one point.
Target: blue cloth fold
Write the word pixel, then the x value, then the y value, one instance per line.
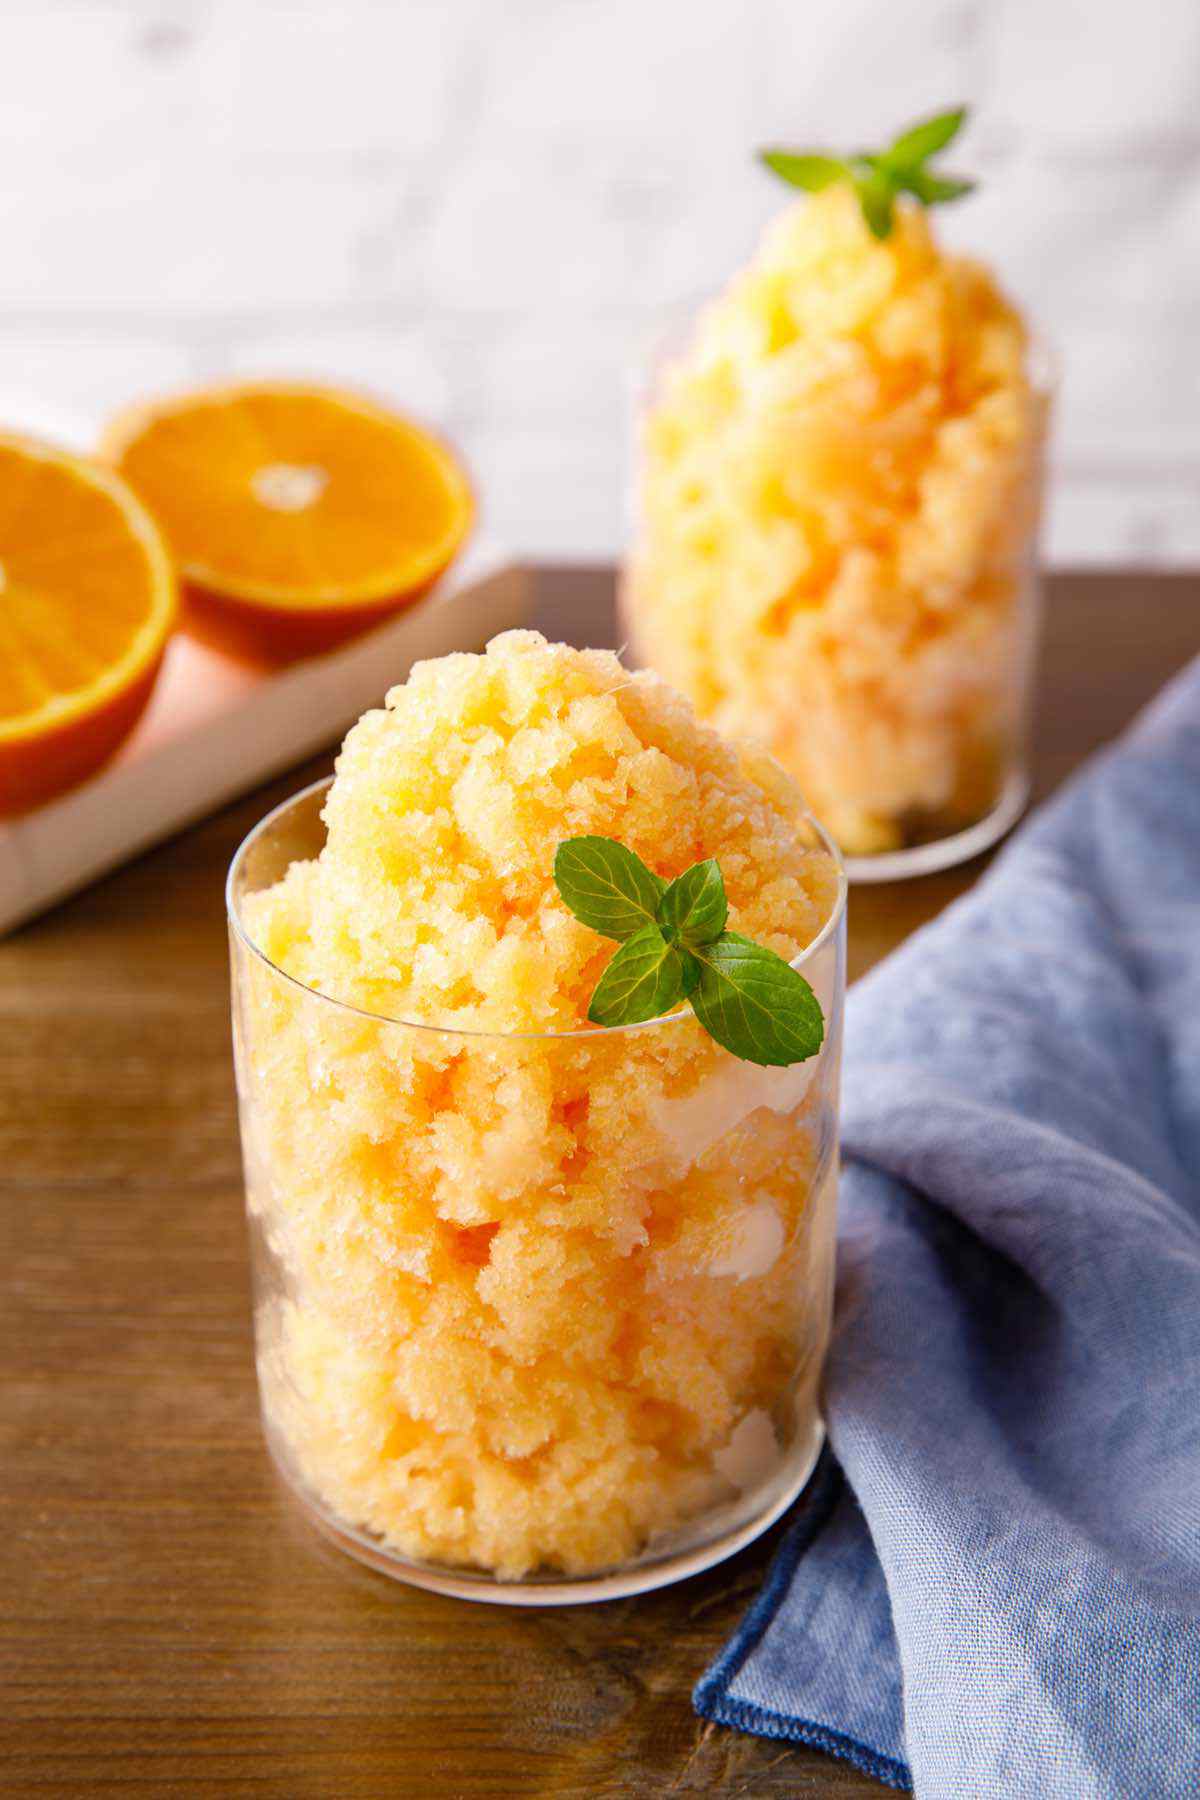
pixel 992 1587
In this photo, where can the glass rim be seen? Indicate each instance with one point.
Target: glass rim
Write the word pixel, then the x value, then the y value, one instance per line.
pixel 581 1032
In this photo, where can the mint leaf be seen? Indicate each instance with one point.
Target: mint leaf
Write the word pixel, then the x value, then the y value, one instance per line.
pixel 879 176
pixel 920 142
pixel 607 886
pixel 877 196
pixel 933 190
pixel 643 981
pixel 674 946
pixel 805 169
pixel 693 909
pixel 755 1004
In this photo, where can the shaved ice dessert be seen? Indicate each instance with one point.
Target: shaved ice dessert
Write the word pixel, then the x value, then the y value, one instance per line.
pixel 838 502
pixel 534 1298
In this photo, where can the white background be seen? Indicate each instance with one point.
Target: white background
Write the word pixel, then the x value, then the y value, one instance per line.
pixel 484 208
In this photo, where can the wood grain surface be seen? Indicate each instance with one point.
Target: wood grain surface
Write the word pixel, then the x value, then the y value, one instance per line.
pixel 168 1625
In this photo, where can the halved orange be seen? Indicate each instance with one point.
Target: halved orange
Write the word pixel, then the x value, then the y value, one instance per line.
pixel 87 600
pixel 298 515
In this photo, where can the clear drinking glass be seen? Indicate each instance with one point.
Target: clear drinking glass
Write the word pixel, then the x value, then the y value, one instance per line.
pixel 540 1317
pixel 926 752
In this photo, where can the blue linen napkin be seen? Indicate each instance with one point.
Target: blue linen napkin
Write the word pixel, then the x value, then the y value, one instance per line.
pixel 1001 1594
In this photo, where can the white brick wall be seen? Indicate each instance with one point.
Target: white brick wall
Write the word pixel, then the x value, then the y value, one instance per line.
pixel 483 208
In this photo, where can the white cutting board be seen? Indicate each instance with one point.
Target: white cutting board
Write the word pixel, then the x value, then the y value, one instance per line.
pixel 215 728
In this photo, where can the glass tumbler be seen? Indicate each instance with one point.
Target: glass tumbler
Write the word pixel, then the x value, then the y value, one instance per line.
pixel 540 1317
pixel 903 711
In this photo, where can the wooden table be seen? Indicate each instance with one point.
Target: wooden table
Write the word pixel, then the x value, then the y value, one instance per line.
pixel 168 1626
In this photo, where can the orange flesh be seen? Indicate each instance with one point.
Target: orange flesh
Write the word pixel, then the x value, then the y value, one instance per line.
pixel 87 600
pixel 295 499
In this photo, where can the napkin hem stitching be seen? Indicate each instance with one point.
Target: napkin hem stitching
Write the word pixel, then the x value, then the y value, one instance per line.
pixel 711 1697
pixel 746 1715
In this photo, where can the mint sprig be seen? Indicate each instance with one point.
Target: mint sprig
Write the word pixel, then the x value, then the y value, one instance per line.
pixel 674 947
pixel 879 177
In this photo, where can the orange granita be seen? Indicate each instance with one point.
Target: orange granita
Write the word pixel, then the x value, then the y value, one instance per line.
pixel 839 479
pixel 545 1291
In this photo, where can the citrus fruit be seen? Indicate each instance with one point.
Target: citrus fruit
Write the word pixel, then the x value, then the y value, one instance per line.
pixel 297 515
pixel 87 600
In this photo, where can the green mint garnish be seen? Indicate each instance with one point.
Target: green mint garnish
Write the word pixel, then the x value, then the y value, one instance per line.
pixel 748 996
pixel 643 981
pixel 674 947
pixel 610 888
pixel 693 909
pixel 878 177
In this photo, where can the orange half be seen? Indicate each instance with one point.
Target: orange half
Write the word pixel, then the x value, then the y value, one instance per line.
pixel 87 600
pixel 297 515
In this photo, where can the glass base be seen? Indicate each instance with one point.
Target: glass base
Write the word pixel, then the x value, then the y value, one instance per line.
pixel 671 1558
pixel 945 853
